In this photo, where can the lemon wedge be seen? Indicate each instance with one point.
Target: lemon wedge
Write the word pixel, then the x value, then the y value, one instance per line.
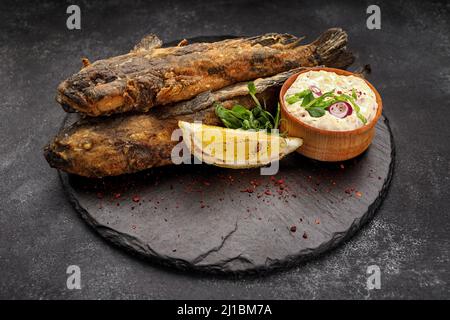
pixel 235 148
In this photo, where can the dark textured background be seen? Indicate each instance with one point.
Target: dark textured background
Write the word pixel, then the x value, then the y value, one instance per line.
pixel 40 233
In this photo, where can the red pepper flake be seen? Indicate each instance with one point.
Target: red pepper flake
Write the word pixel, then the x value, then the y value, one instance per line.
pixel 293 228
pixel 268 192
pixel 100 195
pixel 255 183
pixel 358 194
pixel 281 181
pixel 305 236
pixel 136 198
pixel 348 191
pixel 317 221
pixel 206 183
pixel 249 190
pixel 117 195
pixel 202 206
pixel 339 92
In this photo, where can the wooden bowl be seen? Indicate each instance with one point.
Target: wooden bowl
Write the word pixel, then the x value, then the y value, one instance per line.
pixel 328 145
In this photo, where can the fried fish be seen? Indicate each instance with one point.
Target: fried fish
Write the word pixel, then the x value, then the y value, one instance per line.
pixel 126 143
pixel 151 76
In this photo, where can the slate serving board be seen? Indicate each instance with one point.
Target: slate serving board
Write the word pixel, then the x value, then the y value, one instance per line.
pixel 217 220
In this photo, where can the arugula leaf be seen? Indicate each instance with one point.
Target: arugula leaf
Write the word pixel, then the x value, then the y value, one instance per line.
pixel 316 112
pixel 307 99
pixel 298 96
pixel 319 99
pixel 293 99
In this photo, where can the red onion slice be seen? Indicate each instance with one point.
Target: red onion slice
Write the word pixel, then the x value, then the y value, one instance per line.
pixel 340 109
pixel 315 90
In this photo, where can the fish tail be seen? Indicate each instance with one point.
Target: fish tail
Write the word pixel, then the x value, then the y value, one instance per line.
pixel 331 49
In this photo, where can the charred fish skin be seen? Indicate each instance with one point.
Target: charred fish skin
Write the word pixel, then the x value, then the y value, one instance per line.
pixel 149 75
pixel 127 143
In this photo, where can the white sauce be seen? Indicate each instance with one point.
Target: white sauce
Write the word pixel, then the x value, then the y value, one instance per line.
pixel 327 81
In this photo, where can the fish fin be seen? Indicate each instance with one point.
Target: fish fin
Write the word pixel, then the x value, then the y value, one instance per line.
pixel 331 49
pixel 149 42
pixel 273 39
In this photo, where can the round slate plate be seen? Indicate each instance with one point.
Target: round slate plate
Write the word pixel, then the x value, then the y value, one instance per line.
pixel 216 220
pixel 220 220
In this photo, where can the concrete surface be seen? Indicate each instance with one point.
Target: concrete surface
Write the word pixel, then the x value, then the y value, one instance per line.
pixel 41 235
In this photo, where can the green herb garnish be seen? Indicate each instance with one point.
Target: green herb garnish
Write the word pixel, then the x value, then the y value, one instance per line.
pixel 316 106
pixel 239 117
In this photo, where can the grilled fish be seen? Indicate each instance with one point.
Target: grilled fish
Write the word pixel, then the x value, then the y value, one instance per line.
pixel 150 75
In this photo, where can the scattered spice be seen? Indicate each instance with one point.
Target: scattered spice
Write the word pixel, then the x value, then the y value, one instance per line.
pixel 358 194
pixel 349 190
pixel 317 221
pixel 305 236
pixel 136 198
pixel 293 228
pixel 117 195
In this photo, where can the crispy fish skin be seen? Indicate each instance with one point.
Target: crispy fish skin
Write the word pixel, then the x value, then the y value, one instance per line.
pixel 149 75
pixel 127 143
